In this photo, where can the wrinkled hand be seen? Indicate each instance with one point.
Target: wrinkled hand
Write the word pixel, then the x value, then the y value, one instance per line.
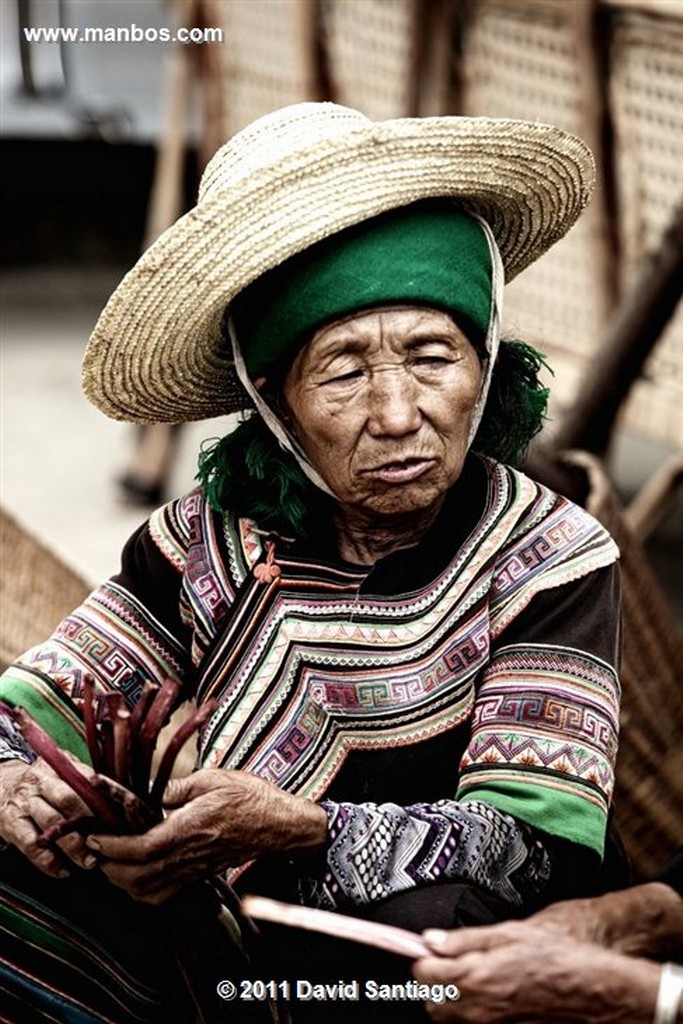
pixel 517 971
pixel 32 798
pixel 217 819
pixel 580 919
pixel 645 919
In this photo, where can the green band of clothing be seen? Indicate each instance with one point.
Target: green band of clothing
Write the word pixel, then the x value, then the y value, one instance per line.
pixel 565 815
pixel 15 923
pixel 49 709
pixel 430 253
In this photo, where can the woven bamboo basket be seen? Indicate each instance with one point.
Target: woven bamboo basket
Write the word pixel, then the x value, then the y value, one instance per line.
pixel 37 589
pixel 649 781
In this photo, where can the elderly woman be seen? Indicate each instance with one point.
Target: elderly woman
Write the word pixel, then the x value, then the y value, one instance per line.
pixel 412 646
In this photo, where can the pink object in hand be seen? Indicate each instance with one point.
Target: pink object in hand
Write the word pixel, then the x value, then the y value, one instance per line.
pixel 382 936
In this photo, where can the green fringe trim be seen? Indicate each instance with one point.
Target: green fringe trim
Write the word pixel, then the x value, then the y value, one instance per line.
pixel 516 404
pixel 249 473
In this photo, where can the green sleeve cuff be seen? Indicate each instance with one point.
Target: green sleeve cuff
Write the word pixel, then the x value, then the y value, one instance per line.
pixel 581 820
pixel 51 709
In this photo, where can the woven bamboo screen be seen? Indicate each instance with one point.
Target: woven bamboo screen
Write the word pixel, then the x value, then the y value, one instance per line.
pixel 647 108
pixel 525 58
pixel 264 61
pixel 521 61
pixel 369 45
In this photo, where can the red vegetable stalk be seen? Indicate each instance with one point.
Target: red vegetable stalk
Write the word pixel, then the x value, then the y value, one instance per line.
pixel 123 744
pixel 46 748
pixel 89 717
pixel 159 713
pixel 175 745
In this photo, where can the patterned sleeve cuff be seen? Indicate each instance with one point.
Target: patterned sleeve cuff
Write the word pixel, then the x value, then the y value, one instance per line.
pixel 375 851
pixel 12 745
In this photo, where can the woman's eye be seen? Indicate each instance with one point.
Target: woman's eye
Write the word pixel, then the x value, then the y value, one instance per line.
pixel 431 361
pixel 342 378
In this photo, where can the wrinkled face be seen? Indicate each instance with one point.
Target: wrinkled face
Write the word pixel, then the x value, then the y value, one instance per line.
pixel 382 402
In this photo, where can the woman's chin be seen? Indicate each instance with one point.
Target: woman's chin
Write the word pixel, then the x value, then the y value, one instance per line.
pixel 405 499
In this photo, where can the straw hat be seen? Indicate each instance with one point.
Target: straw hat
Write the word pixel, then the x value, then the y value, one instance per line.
pixel 286 181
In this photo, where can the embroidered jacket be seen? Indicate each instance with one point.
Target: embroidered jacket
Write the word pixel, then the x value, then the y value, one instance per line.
pixel 449 705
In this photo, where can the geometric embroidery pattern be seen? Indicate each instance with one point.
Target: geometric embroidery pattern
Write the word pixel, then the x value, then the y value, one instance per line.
pixel 378 851
pixel 309 669
pixel 544 711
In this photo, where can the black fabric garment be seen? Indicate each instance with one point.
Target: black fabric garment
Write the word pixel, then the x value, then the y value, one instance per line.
pixel 115 959
pixel 397 775
pixel 429 771
pixel 295 955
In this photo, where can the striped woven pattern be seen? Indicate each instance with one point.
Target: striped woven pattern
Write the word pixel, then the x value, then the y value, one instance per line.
pixel 61 958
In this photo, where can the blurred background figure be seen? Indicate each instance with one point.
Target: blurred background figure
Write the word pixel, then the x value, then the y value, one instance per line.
pixel 104 142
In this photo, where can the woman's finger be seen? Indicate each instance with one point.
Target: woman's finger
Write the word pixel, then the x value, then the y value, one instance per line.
pixel 149 883
pixel 459 941
pixel 38 779
pixel 435 970
pixel 136 849
pixel 45 816
pixel 23 833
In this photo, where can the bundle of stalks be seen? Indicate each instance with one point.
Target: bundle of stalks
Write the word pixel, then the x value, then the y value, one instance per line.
pixel 121 795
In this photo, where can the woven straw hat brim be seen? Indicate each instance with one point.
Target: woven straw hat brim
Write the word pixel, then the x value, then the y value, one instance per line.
pixel 156 352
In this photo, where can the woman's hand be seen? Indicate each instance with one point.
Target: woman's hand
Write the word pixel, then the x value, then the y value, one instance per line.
pixel 645 919
pixel 580 919
pixel 217 819
pixel 518 971
pixel 33 797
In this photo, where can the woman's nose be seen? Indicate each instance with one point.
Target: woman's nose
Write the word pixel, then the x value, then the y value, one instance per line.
pixel 394 410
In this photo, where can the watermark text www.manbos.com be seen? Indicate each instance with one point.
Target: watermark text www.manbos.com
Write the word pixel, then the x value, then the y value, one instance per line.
pixel 302 990
pixel 122 34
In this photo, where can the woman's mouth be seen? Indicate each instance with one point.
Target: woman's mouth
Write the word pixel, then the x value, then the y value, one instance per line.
pixel 401 471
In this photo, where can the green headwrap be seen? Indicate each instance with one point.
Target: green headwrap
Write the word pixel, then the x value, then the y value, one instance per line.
pixel 430 253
